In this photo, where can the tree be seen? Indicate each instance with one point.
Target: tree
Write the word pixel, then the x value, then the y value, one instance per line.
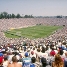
pixel 59 16
pixel 1 16
pixel 8 16
pixel 18 16
pixel 65 16
pixel 13 16
pixel 5 14
pixel 26 16
pixel 32 16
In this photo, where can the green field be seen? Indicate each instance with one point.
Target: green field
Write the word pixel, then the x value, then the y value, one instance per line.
pixel 38 31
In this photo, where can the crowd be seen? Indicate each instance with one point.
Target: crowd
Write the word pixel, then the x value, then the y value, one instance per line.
pixel 8 24
pixel 41 52
pixel 41 55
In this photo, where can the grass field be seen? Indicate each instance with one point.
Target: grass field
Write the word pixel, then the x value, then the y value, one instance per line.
pixel 38 31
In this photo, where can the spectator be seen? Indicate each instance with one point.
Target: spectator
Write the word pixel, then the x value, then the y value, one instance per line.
pixel 6 62
pixel 1 61
pixel 14 63
pixel 32 54
pixel 44 62
pixel 52 53
pixel 26 61
pixel 34 63
pixel 58 61
pixel 65 60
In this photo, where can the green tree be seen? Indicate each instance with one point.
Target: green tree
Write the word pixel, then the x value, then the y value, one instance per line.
pixel 1 16
pixel 59 16
pixel 18 16
pixel 65 16
pixel 10 16
pixel 26 16
pixel 5 14
pixel 13 16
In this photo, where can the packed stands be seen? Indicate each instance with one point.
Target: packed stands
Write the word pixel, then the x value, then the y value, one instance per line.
pixel 38 48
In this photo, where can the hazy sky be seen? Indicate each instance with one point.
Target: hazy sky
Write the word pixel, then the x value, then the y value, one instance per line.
pixel 35 7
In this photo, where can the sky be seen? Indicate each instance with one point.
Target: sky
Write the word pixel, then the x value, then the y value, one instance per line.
pixel 34 7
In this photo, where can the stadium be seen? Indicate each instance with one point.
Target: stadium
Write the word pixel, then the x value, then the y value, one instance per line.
pixel 10 24
pixel 33 33
pixel 37 48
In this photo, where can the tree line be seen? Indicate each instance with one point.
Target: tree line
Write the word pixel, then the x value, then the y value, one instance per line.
pixel 7 16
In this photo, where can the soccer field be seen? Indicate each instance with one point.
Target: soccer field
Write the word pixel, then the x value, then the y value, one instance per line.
pixel 38 31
